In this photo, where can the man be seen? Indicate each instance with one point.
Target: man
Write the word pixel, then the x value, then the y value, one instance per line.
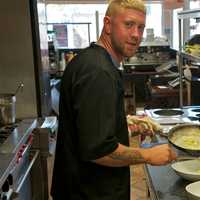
pixel 93 154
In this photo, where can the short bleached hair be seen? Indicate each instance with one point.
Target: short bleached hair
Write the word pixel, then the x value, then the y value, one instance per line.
pixel 115 5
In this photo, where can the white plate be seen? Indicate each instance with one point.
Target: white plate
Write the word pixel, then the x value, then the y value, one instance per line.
pixel 189 169
pixel 193 191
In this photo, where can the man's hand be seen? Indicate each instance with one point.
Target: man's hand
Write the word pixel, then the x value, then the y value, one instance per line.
pixel 158 155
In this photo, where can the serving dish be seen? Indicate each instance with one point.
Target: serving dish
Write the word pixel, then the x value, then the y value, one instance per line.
pixel 186 137
pixel 193 191
pixel 189 169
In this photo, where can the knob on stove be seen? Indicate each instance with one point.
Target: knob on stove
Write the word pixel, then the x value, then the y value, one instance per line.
pixel 5 186
pixel 4 197
pixel 10 179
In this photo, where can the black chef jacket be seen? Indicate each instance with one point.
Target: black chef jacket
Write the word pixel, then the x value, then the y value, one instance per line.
pixel 91 124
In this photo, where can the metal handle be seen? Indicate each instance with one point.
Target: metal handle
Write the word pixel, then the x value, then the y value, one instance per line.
pixel 15 194
pixel 21 85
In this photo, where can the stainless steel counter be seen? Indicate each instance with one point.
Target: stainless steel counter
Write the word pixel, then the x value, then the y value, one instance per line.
pixel 24 148
pixel 164 184
pixel 18 136
pixel 162 181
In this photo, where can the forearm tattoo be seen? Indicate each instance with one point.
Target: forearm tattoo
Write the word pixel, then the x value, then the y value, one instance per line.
pixel 128 154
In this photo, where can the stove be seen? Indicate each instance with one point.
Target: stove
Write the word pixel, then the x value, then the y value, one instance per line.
pixel 24 150
pixel 6 131
pixel 188 114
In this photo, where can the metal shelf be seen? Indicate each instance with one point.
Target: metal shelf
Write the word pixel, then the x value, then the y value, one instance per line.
pixel 193 13
pixel 186 14
pixel 190 57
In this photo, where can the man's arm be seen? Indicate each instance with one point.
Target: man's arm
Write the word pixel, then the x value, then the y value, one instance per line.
pixel 124 156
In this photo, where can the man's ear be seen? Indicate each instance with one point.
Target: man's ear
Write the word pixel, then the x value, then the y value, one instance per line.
pixel 107 24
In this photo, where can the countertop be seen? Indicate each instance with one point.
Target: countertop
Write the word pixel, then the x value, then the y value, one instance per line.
pixel 163 182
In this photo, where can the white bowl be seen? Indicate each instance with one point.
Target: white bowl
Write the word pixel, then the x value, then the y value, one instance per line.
pixel 189 169
pixel 193 191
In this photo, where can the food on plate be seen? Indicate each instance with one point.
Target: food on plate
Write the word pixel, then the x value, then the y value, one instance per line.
pixel 198 171
pixel 144 123
pixel 188 138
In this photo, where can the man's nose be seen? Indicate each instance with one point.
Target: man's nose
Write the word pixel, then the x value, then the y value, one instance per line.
pixel 135 32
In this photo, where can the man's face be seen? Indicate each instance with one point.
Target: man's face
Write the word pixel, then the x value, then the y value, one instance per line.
pixel 126 30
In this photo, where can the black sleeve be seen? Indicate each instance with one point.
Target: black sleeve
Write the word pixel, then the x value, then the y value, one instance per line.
pixel 95 98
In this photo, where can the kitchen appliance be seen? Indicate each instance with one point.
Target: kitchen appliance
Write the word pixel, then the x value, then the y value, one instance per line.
pixel 16 144
pixel 24 56
pixel 24 149
pixel 188 114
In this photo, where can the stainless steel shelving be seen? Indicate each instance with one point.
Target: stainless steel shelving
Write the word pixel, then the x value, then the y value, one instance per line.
pixel 186 14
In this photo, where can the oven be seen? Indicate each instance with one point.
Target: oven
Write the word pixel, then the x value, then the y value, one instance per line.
pixel 24 150
pixel 17 185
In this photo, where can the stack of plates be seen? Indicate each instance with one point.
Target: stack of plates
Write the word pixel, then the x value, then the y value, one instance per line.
pixel 189 170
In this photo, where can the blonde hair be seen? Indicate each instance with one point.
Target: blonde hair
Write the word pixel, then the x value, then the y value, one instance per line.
pixel 115 5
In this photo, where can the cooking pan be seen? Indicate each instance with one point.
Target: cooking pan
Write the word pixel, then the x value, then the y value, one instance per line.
pixel 186 137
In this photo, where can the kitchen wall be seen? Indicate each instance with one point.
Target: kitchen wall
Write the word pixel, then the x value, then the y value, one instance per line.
pixel 16 54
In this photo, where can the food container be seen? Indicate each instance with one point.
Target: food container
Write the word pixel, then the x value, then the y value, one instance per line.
pixel 193 191
pixel 189 169
pixel 7 109
pixel 182 134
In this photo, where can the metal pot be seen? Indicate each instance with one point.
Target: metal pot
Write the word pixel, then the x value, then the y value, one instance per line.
pixel 178 131
pixel 7 109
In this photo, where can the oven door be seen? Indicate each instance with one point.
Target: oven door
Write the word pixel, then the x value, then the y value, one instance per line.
pixel 22 185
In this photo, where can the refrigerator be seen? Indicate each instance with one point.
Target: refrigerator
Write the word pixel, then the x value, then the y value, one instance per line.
pixel 24 56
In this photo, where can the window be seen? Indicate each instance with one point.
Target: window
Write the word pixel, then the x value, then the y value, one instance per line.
pixel 77 34
pixel 154 18
pixel 194 27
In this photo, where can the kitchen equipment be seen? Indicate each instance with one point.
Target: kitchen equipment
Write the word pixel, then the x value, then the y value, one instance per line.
pixel 187 114
pixel 186 137
pixel 31 64
pixel 169 112
pixel 7 109
pixel 196 110
pixel 20 87
pixel 189 169
pixel 25 150
pixel 193 191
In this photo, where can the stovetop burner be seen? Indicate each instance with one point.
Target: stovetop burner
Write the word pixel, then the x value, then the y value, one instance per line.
pixel 168 112
pixel 194 118
pixel 175 115
pixel 198 115
pixel 195 110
